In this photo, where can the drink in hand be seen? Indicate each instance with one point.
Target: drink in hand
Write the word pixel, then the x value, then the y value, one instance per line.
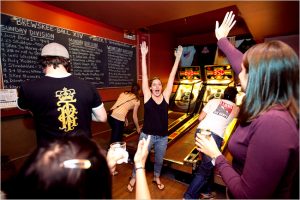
pixel 119 148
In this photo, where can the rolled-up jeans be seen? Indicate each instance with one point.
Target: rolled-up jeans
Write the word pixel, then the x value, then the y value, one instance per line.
pixel 203 174
pixel 160 144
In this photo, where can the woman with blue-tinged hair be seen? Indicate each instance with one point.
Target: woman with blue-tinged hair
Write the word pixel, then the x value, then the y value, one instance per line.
pixel 265 145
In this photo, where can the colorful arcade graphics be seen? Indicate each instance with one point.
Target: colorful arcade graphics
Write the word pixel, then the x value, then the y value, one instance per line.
pixel 189 73
pixel 217 77
pixel 218 74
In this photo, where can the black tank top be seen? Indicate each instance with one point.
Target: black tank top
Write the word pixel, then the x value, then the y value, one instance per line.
pixel 156 118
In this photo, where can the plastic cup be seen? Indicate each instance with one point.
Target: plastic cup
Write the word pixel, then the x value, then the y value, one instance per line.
pixel 118 145
pixel 119 148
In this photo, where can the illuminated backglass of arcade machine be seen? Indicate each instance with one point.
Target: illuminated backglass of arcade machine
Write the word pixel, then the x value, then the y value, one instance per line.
pixel 217 77
pixel 188 87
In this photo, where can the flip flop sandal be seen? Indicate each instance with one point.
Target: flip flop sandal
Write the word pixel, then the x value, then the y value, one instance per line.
pixel 207 196
pixel 160 186
pixel 130 186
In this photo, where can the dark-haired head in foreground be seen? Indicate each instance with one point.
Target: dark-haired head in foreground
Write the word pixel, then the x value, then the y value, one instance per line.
pixel 70 168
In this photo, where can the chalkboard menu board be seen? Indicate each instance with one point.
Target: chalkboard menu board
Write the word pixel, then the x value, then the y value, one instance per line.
pixel 103 62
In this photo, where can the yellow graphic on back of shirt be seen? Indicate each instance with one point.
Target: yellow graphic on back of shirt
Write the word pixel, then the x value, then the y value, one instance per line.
pixel 67 110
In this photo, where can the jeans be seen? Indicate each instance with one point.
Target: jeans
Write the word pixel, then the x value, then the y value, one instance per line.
pixel 117 128
pixel 160 144
pixel 203 175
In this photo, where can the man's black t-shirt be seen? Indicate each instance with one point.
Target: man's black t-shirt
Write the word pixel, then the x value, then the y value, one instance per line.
pixel 60 106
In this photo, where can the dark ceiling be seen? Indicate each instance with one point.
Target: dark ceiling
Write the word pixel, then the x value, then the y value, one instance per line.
pixel 260 19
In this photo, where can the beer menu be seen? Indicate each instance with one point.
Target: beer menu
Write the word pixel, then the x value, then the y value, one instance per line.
pixel 103 62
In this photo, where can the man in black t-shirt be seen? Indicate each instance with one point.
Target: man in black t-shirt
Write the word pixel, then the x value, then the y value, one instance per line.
pixel 62 105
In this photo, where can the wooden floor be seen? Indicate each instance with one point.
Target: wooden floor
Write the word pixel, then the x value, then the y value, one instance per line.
pixel 173 189
pixel 174 186
pixel 175 182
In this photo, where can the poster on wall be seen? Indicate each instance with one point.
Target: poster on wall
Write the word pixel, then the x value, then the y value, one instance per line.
pixel 187 56
pixel 101 61
pixel 8 98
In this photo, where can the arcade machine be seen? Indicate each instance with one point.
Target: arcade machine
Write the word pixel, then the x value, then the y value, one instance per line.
pixel 218 77
pixel 183 103
pixel 182 155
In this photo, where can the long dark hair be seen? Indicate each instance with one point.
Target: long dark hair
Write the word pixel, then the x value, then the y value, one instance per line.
pixel 45 176
pixel 273 80
pixel 135 89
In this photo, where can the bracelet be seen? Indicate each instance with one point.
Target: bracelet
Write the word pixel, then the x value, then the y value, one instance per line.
pixel 139 168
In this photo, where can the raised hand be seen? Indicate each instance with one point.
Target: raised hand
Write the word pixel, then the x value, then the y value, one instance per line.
pixel 142 152
pixel 144 48
pixel 178 51
pixel 226 25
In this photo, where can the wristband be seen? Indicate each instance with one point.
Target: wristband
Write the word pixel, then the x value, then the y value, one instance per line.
pixel 139 168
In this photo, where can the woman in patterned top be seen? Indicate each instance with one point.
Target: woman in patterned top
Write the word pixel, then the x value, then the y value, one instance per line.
pixel 128 100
